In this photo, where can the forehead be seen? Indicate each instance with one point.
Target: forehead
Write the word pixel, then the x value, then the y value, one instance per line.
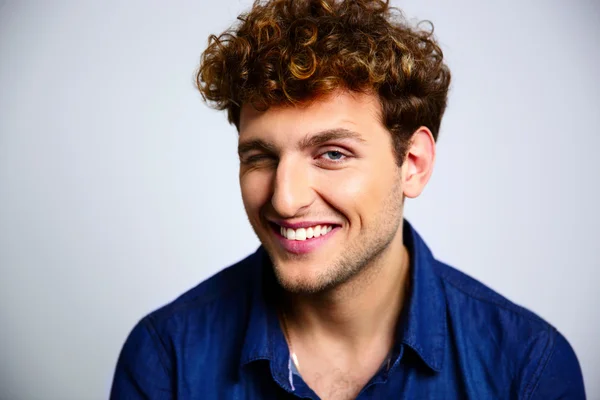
pixel 354 111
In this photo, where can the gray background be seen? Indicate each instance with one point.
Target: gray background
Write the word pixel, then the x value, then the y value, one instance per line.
pixel 118 187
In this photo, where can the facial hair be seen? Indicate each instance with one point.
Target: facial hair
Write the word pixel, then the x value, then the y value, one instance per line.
pixel 358 256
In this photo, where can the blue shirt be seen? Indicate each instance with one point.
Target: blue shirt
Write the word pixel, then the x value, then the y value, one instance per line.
pixel 456 339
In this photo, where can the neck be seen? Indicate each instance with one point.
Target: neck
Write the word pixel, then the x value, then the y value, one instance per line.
pixel 362 311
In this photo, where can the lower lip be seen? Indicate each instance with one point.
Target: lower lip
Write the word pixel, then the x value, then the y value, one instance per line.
pixel 303 246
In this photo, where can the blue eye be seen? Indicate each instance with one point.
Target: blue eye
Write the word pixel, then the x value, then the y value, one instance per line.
pixel 334 155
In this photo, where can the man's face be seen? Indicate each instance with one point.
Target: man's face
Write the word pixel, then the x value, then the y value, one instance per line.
pixel 321 188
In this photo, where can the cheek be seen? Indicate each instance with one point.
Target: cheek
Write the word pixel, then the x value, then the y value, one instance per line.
pixel 346 184
pixel 357 191
pixel 255 188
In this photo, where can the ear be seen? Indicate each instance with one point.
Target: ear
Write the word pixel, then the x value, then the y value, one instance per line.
pixel 418 162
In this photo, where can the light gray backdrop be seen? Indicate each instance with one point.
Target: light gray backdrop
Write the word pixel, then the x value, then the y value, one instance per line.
pixel 118 187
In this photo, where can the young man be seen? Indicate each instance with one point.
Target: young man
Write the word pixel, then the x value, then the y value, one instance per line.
pixel 338 105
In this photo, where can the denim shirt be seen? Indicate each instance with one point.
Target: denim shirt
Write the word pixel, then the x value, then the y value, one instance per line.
pixel 455 339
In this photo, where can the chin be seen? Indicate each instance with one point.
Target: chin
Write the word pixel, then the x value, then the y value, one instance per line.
pixel 299 285
pixel 296 279
pixel 302 273
pixel 316 280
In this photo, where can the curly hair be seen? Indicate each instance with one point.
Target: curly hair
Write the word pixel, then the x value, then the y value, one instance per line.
pixel 288 52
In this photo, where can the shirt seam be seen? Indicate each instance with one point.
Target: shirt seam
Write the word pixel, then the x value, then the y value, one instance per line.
pixel 504 357
pixel 508 307
pixel 544 360
pixel 170 310
pixel 205 299
pixel 158 344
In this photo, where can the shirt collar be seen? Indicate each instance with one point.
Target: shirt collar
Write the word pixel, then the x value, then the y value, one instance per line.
pixel 422 326
pixel 264 338
pixel 423 323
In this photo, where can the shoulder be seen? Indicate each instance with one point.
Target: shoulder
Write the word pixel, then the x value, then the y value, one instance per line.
pixel 200 318
pixel 461 287
pixel 223 292
pixel 526 347
pixel 201 327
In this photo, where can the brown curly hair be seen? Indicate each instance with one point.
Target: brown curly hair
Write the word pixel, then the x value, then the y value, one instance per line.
pixel 293 51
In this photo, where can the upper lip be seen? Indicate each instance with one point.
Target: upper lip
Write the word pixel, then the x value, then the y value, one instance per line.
pixel 301 224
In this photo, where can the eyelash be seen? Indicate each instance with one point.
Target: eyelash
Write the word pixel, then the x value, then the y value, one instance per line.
pixel 342 159
pixel 257 158
pixel 266 157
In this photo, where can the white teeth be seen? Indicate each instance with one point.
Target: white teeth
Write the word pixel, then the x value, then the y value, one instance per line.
pixel 291 234
pixel 317 231
pixel 324 230
pixel 301 234
pixel 305 233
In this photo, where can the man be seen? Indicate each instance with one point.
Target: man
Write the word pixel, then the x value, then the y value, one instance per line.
pixel 338 105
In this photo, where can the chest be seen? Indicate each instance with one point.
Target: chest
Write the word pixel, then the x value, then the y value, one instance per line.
pixel 335 384
pixel 338 379
pixel 261 379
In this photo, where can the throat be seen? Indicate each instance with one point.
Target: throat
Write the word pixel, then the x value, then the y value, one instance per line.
pixel 338 346
pixel 354 314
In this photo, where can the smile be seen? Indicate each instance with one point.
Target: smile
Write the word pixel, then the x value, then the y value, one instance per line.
pixel 305 233
pixel 304 237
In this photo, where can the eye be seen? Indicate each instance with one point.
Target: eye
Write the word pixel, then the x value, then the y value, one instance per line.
pixel 258 159
pixel 334 155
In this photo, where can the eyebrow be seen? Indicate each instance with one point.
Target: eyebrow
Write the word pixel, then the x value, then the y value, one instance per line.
pixel 310 140
pixel 320 138
pixel 256 144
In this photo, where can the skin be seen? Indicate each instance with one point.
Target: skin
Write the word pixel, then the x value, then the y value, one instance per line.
pixel 344 298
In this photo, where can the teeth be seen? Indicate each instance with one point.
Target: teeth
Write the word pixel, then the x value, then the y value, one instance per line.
pixel 317 231
pixel 301 234
pixel 291 234
pixel 305 233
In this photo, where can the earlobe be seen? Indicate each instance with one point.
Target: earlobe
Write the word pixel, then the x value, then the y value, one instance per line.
pixel 418 162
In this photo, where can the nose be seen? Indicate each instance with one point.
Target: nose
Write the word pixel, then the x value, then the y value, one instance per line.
pixel 292 191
